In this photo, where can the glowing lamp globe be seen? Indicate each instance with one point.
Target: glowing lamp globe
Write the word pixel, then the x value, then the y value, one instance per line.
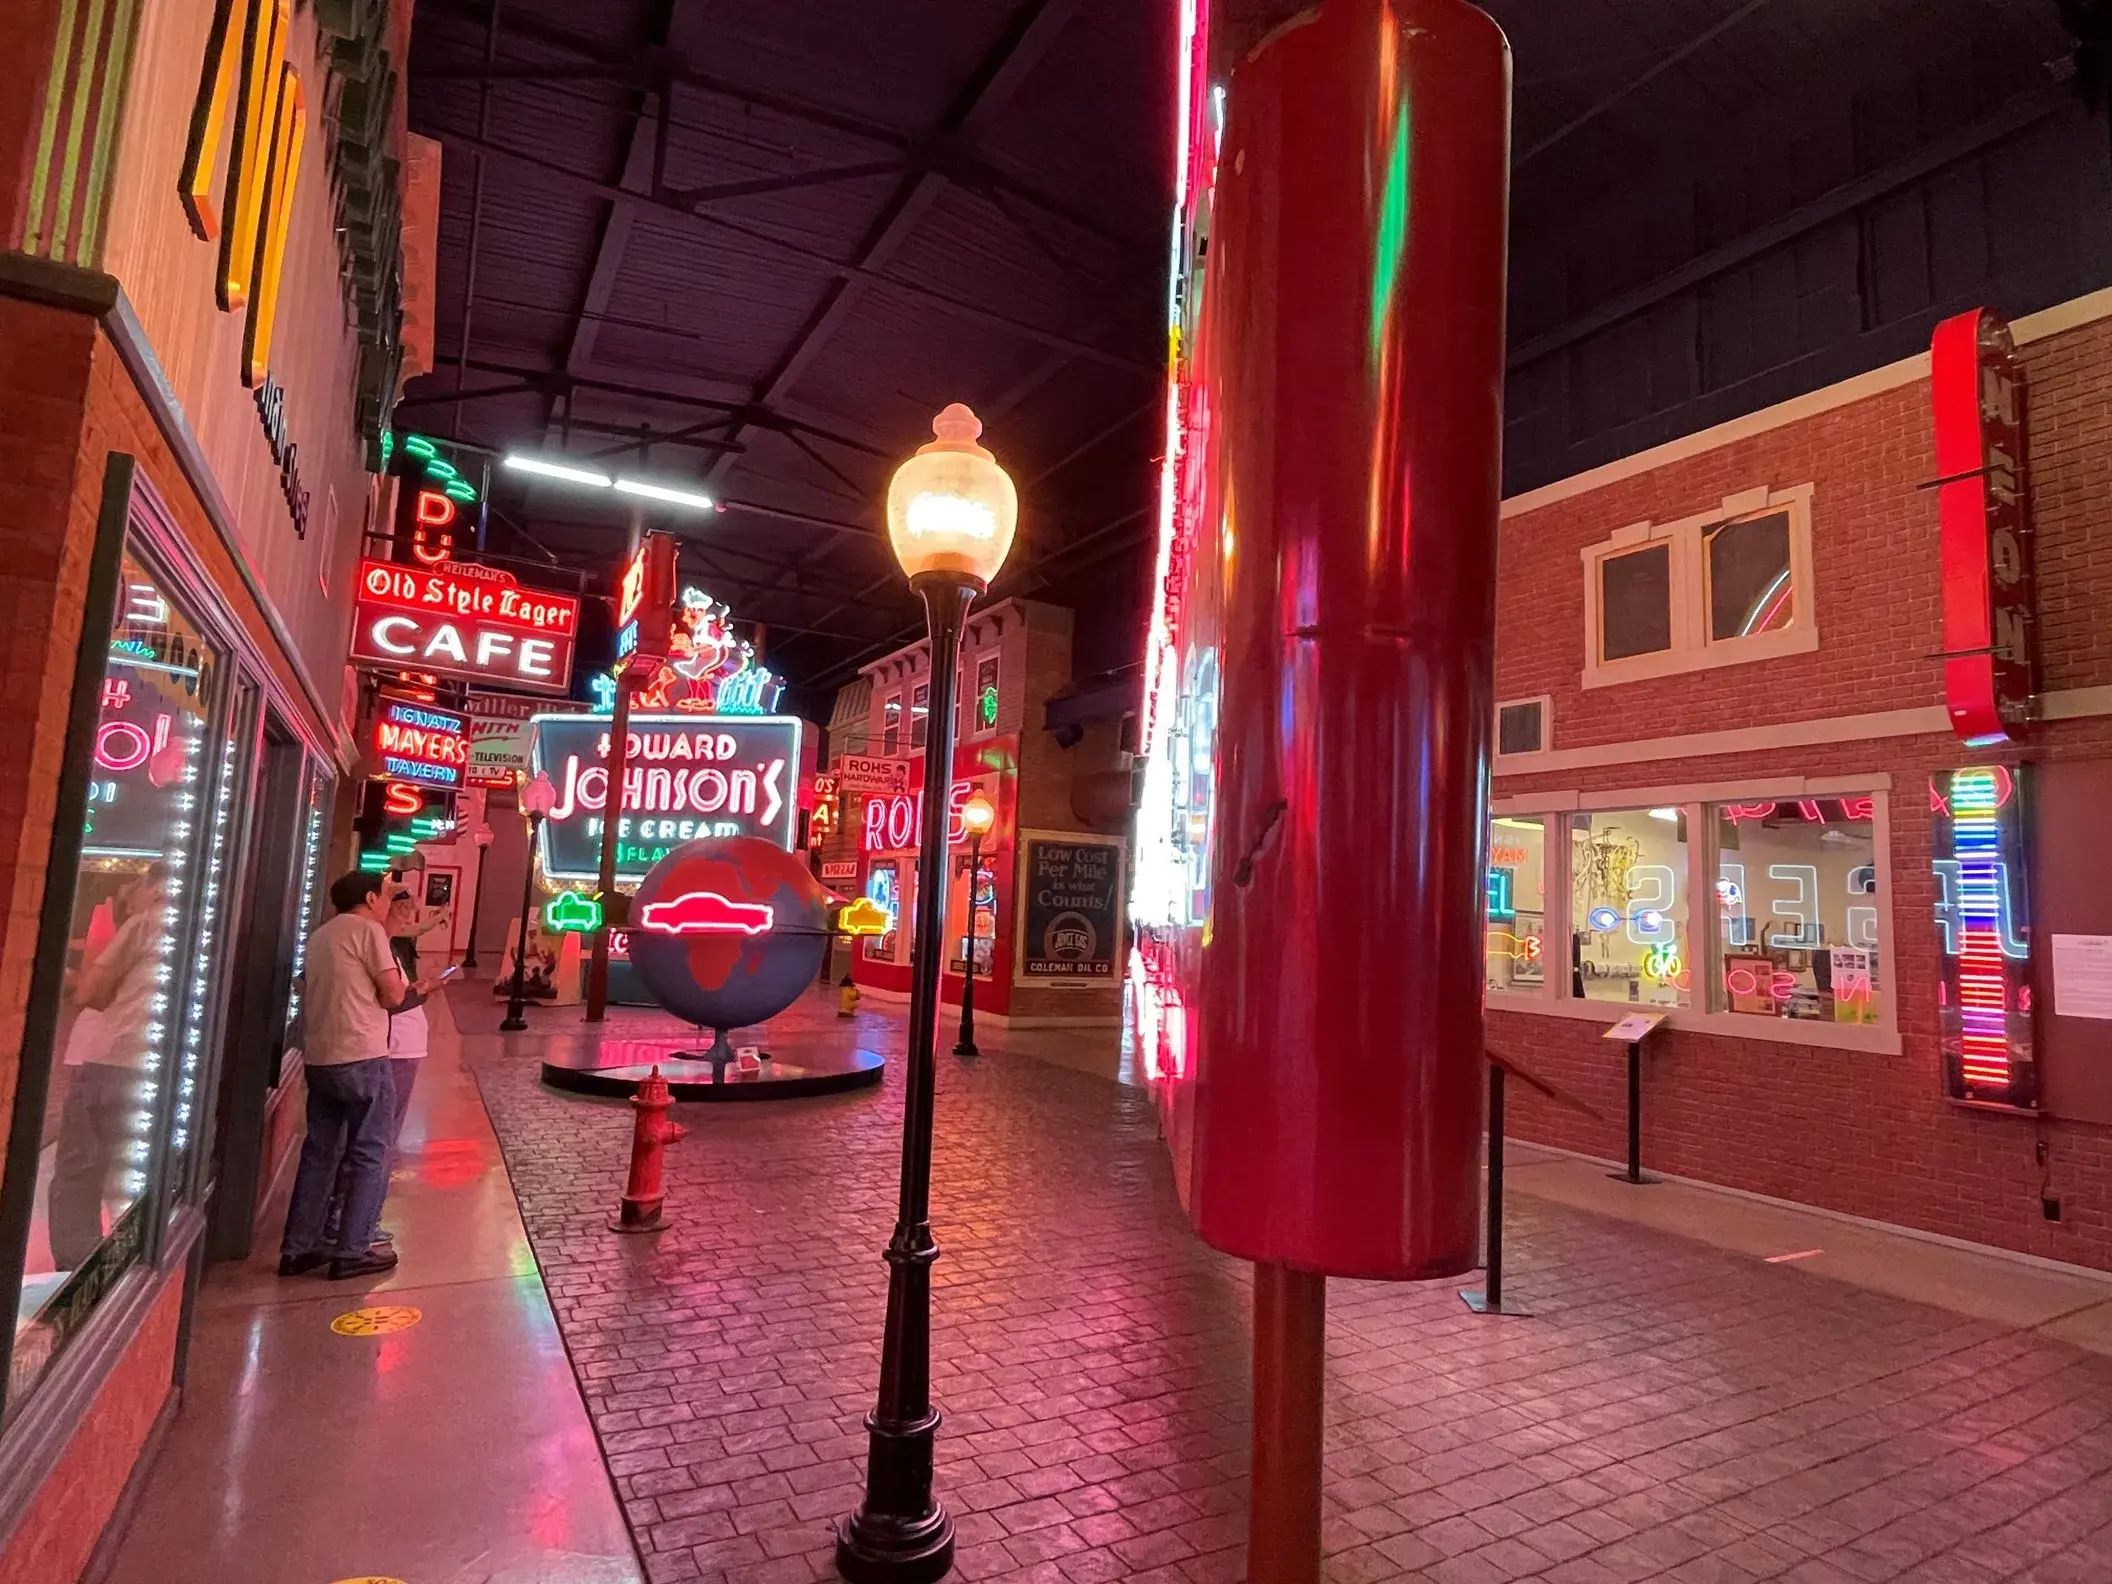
pixel 538 797
pixel 951 509
pixel 978 814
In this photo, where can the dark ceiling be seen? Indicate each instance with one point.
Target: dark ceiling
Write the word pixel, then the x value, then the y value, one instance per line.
pixel 762 242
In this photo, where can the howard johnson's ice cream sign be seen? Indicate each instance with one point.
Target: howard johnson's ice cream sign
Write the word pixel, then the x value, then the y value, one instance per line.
pixel 688 776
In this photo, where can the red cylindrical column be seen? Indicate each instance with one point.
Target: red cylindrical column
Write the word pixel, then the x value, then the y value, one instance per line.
pixel 1349 385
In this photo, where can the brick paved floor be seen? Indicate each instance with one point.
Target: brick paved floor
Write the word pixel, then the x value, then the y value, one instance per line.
pixel 1668 1412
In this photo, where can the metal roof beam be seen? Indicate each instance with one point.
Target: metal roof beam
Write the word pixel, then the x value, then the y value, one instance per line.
pixel 719 226
pixel 1033 27
pixel 640 167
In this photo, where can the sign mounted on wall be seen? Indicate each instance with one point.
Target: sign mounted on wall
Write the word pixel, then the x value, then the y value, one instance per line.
pixel 1070 909
pixel 466 623
pixel 414 742
pixel 645 606
pixel 499 732
pixel 859 773
pixel 1984 1000
pixel 247 127
pixel 684 779
pixel 1990 659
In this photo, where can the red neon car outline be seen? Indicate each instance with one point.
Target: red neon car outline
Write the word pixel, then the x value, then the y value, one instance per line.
pixel 707 913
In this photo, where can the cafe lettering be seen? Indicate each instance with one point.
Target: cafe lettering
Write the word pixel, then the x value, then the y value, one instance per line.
pixel 467 624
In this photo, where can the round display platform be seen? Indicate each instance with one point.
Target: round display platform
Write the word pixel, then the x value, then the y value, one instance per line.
pixel 619 1067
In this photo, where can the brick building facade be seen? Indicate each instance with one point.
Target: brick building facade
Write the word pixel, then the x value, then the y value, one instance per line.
pixel 1016 656
pixel 189 399
pixel 1815 1100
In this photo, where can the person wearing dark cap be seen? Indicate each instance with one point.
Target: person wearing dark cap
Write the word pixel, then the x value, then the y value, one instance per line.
pixel 353 983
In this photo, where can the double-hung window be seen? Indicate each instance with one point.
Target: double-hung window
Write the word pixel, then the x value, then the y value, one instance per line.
pixel 1725 587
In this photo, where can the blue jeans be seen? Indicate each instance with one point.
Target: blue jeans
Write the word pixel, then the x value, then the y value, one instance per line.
pixel 351 1108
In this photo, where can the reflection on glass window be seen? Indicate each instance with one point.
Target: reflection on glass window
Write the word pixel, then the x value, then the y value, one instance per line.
pixel 1750 588
pixel 1628 907
pixel 1512 955
pixel 1796 893
pixel 891 726
pixel 1635 603
pixel 883 888
pixel 126 1006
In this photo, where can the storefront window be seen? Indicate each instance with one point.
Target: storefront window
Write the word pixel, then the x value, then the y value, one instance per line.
pixel 1517 911
pixel 201 966
pixel 138 929
pixel 974 915
pixel 1628 907
pixel 1796 895
pixel 883 888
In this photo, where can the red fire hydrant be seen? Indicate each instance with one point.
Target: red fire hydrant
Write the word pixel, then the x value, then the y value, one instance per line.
pixel 644 1197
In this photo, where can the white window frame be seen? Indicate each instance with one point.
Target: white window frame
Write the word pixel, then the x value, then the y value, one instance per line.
pixel 1692 649
pixel 893 749
pixel 972 690
pixel 1546 701
pixel 1553 999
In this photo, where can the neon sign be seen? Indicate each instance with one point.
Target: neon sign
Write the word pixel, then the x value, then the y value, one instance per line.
pixel 469 624
pixel 685 778
pixel 864 916
pixel 706 669
pixel 1990 659
pixel 570 912
pixel 706 913
pixel 1501 904
pixel 250 117
pixel 415 742
pixel 893 822
pixel 1985 1021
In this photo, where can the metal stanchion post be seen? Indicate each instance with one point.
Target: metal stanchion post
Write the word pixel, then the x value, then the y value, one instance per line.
pixel 1489 1299
pixel 1633 1172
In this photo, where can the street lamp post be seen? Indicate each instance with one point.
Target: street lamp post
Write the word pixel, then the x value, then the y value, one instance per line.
pixel 977 816
pixel 951 511
pixel 538 798
pixel 484 837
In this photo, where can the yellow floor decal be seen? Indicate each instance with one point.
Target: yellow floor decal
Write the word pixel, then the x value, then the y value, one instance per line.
pixel 375 1322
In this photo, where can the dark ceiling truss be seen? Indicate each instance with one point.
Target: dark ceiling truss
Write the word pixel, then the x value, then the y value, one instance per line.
pixel 1033 26
pixel 545 381
pixel 647 69
pixel 956 306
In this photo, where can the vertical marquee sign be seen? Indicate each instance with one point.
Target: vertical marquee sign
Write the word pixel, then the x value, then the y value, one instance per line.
pixel 1990 659
pixel 1984 996
pixel 247 127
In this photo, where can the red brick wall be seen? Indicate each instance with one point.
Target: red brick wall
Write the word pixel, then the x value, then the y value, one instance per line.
pixel 1866 1134
pixel 67 1516
pixel 48 507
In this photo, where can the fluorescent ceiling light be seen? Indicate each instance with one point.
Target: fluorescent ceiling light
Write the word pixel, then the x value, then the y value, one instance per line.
pixel 660 492
pixel 1668 814
pixel 557 470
